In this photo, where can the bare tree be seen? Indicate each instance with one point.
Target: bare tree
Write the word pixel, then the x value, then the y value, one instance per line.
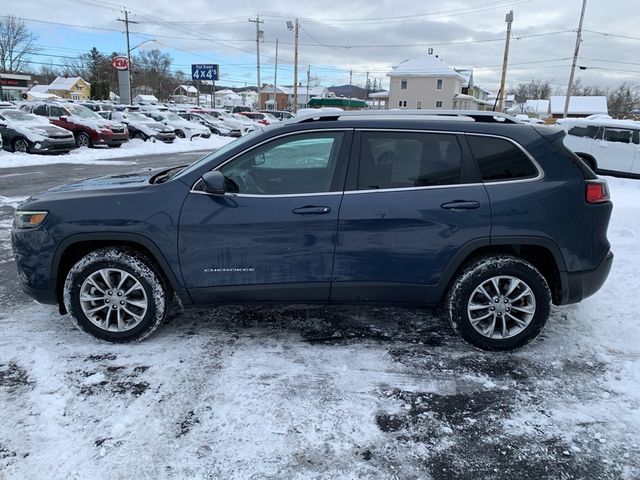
pixel 16 44
pixel 623 100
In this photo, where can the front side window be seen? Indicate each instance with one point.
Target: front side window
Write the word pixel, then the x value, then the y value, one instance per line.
pixel 41 110
pixel 298 164
pixel 499 159
pixel 56 111
pixel 618 135
pixel 405 160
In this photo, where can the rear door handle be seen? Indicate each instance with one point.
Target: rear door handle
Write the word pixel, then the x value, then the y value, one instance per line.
pixel 460 205
pixel 311 210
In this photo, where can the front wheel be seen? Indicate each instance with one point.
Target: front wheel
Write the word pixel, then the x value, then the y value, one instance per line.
pixel 21 145
pixel 83 140
pixel 499 302
pixel 116 295
pixel 180 134
pixel 140 136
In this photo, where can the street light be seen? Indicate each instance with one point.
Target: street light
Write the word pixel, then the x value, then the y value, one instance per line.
pixel 129 59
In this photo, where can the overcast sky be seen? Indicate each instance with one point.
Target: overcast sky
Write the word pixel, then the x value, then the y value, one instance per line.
pixel 337 36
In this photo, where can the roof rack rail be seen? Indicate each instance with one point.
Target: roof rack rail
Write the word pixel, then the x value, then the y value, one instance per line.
pixel 439 114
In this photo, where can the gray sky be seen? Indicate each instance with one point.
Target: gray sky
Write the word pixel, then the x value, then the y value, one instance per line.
pixel 338 36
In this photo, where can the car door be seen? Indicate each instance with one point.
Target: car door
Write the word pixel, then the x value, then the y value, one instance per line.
pixel 272 236
pixel 615 150
pixel 413 201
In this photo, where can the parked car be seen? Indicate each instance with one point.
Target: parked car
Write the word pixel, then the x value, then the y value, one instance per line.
pixel 89 128
pixel 182 127
pixel 261 118
pixel 142 127
pixel 99 106
pixel 608 146
pixel 28 133
pixel 7 106
pixel 496 219
pixel 216 126
pixel 279 114
pixel 244 124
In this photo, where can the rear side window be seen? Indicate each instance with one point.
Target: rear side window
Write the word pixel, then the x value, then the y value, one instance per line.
pixel 618 135
pixel 404 159
pixel 586 132
pixel 499 159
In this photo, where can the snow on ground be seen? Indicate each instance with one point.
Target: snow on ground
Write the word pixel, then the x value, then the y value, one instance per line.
pixel 102 155
pixel 304 392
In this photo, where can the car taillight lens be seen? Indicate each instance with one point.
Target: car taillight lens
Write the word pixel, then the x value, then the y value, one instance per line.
pixel 597 192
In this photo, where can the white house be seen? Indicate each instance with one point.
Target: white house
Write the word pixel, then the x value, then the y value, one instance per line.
pixel 578 106
pixel 424 83
pixel 249 98
pixel 228 98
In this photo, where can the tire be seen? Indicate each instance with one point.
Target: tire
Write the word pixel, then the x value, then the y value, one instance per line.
pixel 180 134
pixel 83 140
pixel 140 136
pixel 132 313
pixel 519 315
pixel 21 145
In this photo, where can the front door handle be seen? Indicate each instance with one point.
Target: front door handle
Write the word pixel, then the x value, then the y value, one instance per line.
pixel 311 210
pixel 460 205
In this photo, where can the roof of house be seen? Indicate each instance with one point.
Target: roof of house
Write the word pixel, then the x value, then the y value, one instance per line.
pixel 39 89
pixel 189 88
pixel 384 94
pixel 35 95
pixel 536 106
pixel 425 66
pixel 579 105
pixel 64 83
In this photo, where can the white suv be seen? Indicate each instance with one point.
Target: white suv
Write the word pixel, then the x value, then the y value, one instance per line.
pixel 608 146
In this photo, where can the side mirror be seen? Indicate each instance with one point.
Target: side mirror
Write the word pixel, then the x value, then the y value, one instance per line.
pixel 64 118
pixel 214 182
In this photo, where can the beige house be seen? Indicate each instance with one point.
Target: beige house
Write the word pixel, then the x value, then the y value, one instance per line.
pixel 424 83
pixel 70 88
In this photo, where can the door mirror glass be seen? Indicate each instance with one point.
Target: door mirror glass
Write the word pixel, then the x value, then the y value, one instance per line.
pixel 213 182
pixel 64 118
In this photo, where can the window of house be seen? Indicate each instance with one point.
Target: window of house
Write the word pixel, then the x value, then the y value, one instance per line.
pixel 439 84
pixel 438 103
pixel 403 84
pixel 402 103
pixel 293 165
pixel 419 105
pixel 404 160
pixel 499 159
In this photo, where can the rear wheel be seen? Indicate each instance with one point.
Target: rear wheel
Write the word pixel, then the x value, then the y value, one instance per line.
pixel 180 134
pixel 499 302
pixel 140 136
pixel 116 294
pixel 21 145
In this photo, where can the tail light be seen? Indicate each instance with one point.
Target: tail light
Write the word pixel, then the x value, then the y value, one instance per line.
pixel 597 191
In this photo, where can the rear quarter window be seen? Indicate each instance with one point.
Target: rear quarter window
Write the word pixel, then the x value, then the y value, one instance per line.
pixel 589 131
pixel 499 159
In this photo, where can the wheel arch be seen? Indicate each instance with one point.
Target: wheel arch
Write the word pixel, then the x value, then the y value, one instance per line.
pixel 589 159
pixel 75 247
pixel 541 252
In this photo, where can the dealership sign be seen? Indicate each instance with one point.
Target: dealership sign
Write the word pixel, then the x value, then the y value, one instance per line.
pixel 120 63
pixel 204 72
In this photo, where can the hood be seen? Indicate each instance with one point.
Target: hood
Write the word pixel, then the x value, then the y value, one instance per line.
pixel 107 185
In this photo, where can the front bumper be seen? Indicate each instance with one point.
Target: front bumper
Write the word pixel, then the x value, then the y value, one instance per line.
pixel 165 137
pixel 54 145
pixel 579 285
pixel 113 139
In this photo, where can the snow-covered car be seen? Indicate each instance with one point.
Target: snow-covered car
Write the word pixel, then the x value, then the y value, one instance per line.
pixel 524 118
pixel 281 115
pixel 88 128
pixel 215 125
pixel 28 133
pixel 142 127
pixel 245 124
pixel 182 127
pixel 7 105
pixel 608 146
pixel 262 118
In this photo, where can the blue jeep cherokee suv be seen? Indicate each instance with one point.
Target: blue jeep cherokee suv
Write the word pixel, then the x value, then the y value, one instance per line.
pixel 495 218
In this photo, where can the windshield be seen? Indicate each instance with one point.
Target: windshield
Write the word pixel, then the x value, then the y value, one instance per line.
pixel 221 151
pixel 138 117
pixel 18 116
pixel 208 117
pixel 82 112
pixel 173 117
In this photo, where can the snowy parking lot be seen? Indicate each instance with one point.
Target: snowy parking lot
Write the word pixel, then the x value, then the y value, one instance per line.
pixel 310 392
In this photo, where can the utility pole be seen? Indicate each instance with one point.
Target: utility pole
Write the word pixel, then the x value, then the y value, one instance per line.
pixel 350 82
pixel 275 80
pixel 366 88
pixel 295 71
pixel 257 21
pixel 308 78
pixel 509 20
pixel 575 59
pixel 126 27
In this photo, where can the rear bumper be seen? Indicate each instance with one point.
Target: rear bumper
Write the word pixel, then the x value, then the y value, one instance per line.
pixel 580 285
pixel 47 297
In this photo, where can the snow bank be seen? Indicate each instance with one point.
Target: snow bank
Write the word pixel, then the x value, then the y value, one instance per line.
pixel 101 156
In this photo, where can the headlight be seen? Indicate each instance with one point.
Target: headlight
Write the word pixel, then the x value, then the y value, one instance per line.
pixel 25 219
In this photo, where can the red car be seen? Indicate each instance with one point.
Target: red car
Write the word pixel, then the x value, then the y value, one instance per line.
pixel 89 128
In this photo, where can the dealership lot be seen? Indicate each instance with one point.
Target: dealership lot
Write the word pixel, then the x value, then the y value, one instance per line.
pixel 313 391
